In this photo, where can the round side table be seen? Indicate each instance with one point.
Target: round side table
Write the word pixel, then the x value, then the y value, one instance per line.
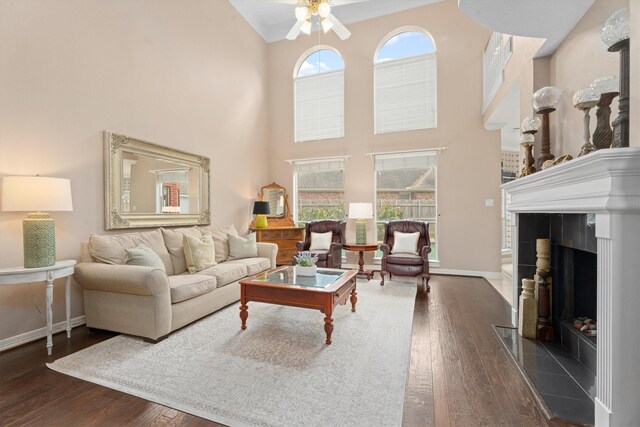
pixel 361 249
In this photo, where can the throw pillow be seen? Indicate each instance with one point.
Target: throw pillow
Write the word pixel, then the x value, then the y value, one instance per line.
pixel 242 247
pixel 144 256
pixel 199 252
pixel 405 243
pixel 320 241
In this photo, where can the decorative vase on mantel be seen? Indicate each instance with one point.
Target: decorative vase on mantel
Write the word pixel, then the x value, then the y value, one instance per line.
pixel 615 34
pixel 608 89
pixel 545 101
pixel 585 99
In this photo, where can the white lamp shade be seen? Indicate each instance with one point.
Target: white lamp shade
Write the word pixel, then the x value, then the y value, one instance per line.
pixel 360 210
pixel 36 194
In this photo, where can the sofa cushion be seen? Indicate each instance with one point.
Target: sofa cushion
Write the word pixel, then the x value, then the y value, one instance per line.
pixel 225 273
pixel 173 238
pixel 199 253
pixel 242 247
pixel 143 256
pixel 220 239
pixel 254 265
pixel 185 287
pixel 112 249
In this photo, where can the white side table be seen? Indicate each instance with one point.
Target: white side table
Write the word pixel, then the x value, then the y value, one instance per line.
pixel 17 275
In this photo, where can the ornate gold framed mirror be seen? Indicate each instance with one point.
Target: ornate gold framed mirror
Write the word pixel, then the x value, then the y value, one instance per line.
pixel 280 214
pixel 148 185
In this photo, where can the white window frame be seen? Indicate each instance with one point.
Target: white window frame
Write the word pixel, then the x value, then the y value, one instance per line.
pixel 378 66
pixel 436 152
pixel 296 169
pixel 335 78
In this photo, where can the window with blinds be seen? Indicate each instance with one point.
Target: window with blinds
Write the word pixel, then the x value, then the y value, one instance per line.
pixel 405 84
pixel 406 188
pixel 320 106
pixel 319 189
pixel 319 97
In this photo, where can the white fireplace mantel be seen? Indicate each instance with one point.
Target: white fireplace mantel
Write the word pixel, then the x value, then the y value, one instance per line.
pixel 607 183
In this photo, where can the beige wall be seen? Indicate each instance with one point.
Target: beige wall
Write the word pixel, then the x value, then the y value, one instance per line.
pixel 163 71
pixel 581 58
pixel 469 168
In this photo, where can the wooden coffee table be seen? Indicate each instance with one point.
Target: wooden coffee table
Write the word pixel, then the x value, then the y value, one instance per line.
pixel 324 291
pixel 361 249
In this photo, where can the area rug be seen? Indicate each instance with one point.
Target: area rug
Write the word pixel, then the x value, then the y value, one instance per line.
pixel 278 372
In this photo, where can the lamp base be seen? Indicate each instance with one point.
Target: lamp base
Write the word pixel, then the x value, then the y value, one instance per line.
pixel 361 233
pixel 39 240
pixel 261 221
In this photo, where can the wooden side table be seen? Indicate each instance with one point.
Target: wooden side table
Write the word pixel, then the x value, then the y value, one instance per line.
pixel 361 249
pixel 18 275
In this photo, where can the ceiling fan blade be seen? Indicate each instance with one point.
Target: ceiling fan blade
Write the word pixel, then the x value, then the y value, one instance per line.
pixel 338 28
pixel 294 32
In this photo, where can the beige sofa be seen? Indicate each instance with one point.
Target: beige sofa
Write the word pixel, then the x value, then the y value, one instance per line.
pixel 149 302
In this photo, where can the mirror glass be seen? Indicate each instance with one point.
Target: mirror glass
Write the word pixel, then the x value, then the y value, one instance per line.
pixel 275 197
pixel 149 185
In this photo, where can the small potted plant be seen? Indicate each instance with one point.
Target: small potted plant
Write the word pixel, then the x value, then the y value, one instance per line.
pixel 306 263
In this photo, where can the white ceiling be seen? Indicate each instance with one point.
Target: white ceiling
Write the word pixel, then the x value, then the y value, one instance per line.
pixel 549 19
pixel 272 19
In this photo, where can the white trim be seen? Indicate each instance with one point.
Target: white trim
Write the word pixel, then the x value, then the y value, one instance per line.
pixel 470 273
pixel 39 333
pixel 424 150
pixel 317 159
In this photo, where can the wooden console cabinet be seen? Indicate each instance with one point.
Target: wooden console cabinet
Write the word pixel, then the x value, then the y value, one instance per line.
pixel 284 237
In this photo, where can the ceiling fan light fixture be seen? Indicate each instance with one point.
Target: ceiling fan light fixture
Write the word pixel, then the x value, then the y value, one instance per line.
pixel 301 13
pixel 326 25
pixel 324 9
pixel 306 27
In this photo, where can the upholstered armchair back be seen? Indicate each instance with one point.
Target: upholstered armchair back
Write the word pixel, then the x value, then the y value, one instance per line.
pixel 336 227
pixel 407 226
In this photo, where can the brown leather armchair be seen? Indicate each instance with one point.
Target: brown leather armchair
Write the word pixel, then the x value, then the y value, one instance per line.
pixel 406 264
pixel 333 257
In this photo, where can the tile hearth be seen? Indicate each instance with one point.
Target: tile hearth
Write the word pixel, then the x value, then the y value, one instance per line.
pixel 564 384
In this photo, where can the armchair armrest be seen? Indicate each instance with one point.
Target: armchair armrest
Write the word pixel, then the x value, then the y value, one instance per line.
pixel 124 279
pixel 268 250
pixel 335 246
pixel 426 250
pixel 386 250
pixel 302 246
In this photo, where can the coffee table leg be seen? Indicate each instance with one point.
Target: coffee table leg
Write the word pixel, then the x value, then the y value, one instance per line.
pixel 354 299
pixel 328 327
pixel 243 315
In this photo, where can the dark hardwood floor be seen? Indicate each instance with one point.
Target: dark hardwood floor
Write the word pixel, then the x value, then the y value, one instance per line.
pixel 459 373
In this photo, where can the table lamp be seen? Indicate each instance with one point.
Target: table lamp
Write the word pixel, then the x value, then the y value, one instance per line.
pixel 261 210
pixel 36 194
pixel 361 212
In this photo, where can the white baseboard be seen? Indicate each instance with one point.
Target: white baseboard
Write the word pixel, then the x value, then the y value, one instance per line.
pixel 37 334
pixel 472 273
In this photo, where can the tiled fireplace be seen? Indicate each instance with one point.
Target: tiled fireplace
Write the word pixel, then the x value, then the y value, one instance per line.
pixel 597 193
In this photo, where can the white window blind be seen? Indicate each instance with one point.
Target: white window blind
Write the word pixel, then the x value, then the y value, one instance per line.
pixel 405 94
pixel 319 104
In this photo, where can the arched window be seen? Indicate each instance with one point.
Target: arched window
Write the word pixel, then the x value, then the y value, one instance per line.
pixel 405 82
pixel 319 95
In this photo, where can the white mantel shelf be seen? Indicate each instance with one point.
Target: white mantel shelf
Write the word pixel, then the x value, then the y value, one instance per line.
pixel 603 181
pixel 607 183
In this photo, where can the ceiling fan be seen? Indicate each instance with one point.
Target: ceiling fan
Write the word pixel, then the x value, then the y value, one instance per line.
pixel 307 9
